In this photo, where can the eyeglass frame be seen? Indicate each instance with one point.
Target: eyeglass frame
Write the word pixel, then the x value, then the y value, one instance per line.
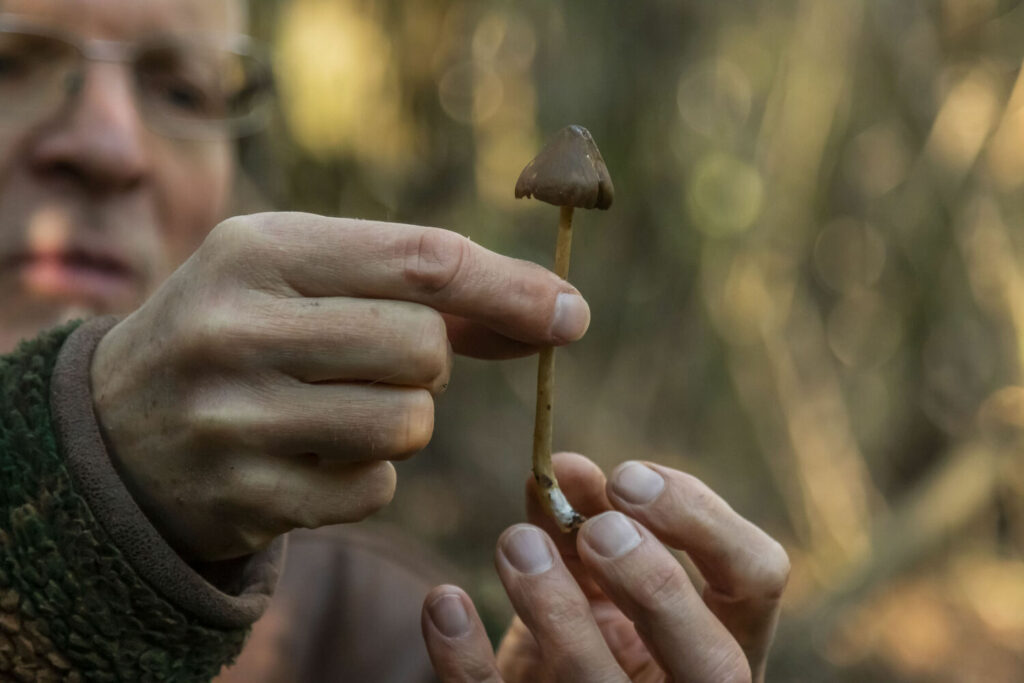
pixel 125 52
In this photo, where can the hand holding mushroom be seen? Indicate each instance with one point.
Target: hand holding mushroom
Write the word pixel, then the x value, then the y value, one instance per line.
pixel 569 172
pixel 347 327
pixel 611 602
pixel 587 607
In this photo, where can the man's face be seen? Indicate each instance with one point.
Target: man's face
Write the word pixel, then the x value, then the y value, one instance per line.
pixel 96 210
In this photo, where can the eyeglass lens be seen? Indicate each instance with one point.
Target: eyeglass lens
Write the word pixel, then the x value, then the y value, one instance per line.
pixel 35 72
pixel 183 88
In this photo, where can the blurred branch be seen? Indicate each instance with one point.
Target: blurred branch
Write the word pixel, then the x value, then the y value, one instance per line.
pixel 930 517
pixel 806 434
pixel 996 281
pixel 931 514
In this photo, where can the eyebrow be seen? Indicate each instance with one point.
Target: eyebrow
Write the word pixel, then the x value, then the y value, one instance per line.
pixel 164 18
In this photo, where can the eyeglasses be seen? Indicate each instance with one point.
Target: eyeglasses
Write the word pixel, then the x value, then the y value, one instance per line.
pixel 195 87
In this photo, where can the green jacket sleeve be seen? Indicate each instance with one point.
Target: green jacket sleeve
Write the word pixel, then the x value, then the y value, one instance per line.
pixel 73 604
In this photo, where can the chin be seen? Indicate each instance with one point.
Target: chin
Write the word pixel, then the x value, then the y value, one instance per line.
pixel 29 315
pixel 68 306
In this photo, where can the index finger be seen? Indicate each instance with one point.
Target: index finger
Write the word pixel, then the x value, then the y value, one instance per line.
pixel 746 569
pixel 317 256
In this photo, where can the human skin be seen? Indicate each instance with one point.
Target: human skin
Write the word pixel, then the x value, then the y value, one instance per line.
pixel 97 212
pixel 271 369
pixel 92 182
pixel 269 383
pixel 610 603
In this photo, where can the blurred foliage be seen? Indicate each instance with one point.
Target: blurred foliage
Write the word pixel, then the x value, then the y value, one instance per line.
pixel 809 292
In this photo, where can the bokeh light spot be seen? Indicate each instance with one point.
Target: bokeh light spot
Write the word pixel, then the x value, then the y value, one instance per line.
pixel 863 330
pixel 470 92
pixel 878 160
pixel 339 85
pixel 849 254
pixel 964 122
pixel 505 39
pixel 714 98
pixel 725 195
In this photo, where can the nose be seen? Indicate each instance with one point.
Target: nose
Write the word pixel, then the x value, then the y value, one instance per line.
pixel 97 141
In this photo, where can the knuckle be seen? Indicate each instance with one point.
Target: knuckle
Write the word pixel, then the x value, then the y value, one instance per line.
pixel 430 350
pixel 239 535
pixel 478 670
pixel 212 335
pixel 299 514
pixel 209 420
pixel 234 496
pixel 227 330
pixel 231 235
pixel 374 489
pixel 562 615
pixel 443 378
pixel 207 331
pixel 416 424
pixel 771 575
pixel 277 508
pixel 433 260
pixel 732 667
pixel 661 587
pixel 237 244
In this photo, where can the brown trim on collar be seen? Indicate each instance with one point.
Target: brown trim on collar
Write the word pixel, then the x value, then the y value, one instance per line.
pixel 96 480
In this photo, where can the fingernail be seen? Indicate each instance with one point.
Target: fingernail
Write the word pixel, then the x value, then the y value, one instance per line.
pixel 572 318
pixel 611 534
pixel 449 615
pixel 526 549
pixel 637 483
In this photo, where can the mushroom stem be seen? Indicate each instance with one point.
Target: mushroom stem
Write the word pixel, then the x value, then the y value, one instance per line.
pixel 564 244
pixel 551 497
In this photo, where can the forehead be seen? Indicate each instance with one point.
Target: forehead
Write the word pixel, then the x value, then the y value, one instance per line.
pixel 127 19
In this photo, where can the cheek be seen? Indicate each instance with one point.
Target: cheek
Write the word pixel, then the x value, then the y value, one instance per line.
pixel 194 187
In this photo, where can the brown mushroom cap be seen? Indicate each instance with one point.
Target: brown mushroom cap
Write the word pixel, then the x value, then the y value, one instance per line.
pixel 569 171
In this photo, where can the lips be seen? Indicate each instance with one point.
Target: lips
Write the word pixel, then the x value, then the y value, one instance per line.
pixel 76 275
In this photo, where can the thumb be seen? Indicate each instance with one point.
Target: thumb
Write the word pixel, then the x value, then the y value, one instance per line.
pixel 456 641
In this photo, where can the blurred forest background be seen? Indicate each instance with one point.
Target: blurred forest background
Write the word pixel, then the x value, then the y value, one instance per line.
pixel 809 292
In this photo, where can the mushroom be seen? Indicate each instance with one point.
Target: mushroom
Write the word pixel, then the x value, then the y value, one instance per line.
pixel 569 173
